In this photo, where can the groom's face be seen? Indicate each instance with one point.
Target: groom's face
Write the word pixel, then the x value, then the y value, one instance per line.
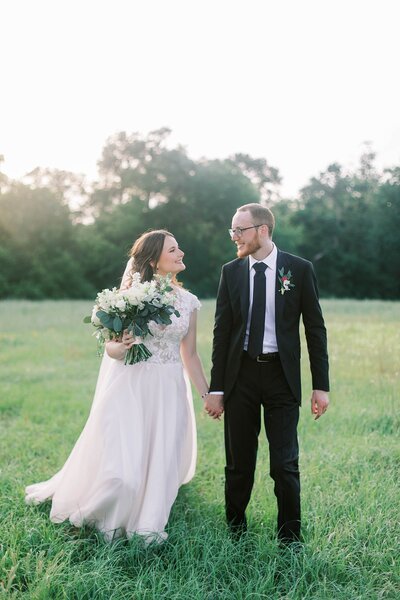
pixel 249 242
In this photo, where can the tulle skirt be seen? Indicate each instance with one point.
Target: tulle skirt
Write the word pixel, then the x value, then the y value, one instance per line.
pixel 136 449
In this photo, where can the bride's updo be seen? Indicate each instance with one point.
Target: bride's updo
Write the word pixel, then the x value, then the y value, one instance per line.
pixel 146 251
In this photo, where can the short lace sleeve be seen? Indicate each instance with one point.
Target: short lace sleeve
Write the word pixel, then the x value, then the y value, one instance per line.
pixel 188 301
pixel 193 302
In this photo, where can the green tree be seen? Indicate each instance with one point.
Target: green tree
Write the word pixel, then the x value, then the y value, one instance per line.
pixel 198 213
pixel 289 231
pixel 201 219
pixel 71 189
pixel 61 237
pixel 144 184
pixel 385 227
pixel 346 225
pixel 104 244
pixel 135 166
pixel 265 178
pixel 39 255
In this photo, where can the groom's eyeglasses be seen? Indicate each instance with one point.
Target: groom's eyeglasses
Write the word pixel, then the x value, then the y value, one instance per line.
pixel 239 230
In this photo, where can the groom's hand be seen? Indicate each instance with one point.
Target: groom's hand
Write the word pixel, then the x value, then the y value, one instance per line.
pixel 214 405
pixel 319 403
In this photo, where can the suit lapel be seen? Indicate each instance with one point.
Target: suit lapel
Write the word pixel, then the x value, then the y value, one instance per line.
pixel 279 298
pixel 243 282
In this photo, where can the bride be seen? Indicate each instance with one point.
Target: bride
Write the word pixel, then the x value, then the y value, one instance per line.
pixel 139 443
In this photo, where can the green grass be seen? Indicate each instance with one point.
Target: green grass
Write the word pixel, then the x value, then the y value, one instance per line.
pixel 349 466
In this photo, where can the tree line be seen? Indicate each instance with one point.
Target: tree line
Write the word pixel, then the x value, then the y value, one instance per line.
pixel 64 237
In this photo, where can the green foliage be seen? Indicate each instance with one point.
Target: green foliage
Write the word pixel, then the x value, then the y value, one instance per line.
pixel 349 224
pixel 38 247
pixel 200 221
pixel 346 223
pixel 349 466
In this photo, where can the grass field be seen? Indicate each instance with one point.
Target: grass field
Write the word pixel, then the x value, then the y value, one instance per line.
pixel 349 463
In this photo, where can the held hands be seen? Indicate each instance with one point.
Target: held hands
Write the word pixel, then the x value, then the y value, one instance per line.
pixel 319 403
pixel 214 405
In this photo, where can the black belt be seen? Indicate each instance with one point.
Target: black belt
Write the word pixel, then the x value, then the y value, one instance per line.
pixel 264 358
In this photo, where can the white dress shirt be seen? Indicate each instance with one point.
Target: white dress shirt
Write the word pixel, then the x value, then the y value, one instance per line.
pixel 269 341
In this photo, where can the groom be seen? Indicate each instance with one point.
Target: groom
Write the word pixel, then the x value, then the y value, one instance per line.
pixel 256 363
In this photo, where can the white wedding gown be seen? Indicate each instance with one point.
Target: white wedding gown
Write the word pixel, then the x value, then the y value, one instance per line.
pixel 138 445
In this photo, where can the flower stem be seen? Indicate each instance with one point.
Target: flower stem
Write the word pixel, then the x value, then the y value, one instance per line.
pixel 137 353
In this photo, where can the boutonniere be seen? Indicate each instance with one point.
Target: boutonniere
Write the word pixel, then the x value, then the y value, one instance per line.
pixel 285 281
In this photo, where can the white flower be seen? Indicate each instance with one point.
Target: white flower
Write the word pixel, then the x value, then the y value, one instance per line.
pixel 94 318
pixel 135 295
pixel 286 284
pixel 107 298
pixel 120 304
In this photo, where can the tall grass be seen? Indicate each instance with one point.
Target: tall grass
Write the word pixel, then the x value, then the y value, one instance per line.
pixel 349 465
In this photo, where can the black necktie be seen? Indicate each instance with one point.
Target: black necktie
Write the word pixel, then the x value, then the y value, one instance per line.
pixel 256 334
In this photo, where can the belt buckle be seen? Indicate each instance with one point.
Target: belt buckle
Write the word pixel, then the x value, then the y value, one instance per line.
pixel 269 357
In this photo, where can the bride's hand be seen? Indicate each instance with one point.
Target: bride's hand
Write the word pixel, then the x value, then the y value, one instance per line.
pixel 118 348
pixel 214 405
pixel 127 339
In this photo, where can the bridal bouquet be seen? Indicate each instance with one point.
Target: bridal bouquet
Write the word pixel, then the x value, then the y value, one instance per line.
pixel 132 310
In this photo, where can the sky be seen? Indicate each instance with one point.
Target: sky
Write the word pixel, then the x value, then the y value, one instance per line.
pixel 301 83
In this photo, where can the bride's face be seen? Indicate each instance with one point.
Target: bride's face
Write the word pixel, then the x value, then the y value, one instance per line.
pixel 171 257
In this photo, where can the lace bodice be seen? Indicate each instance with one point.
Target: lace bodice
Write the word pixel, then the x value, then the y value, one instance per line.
pixel 165 342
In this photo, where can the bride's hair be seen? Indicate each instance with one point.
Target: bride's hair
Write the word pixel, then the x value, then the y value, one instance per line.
pixel 146 252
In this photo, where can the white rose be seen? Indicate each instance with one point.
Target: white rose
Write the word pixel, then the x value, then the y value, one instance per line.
pixel 130 296
pixel 136 294
pixel 152 287
pixel 120 304
pixel 95 319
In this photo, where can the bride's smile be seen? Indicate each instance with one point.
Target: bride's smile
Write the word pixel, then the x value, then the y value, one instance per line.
pixel 171 258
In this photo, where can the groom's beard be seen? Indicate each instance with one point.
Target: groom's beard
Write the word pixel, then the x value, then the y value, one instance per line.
pixel 248 248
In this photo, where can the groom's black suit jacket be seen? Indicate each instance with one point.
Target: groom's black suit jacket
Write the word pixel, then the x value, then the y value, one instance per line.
pixel 231 319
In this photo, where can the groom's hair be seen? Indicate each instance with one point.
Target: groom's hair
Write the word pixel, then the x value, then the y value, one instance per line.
pixel 261 215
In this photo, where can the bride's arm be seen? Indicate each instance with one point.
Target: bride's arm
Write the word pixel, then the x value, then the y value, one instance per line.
pixel 191 359
pixel 116 350
pixel 192 363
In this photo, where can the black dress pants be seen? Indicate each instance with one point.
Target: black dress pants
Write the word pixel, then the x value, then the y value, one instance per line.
pixel 262 385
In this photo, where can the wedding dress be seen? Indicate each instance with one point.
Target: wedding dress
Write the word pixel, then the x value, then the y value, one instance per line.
pixel 138 445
